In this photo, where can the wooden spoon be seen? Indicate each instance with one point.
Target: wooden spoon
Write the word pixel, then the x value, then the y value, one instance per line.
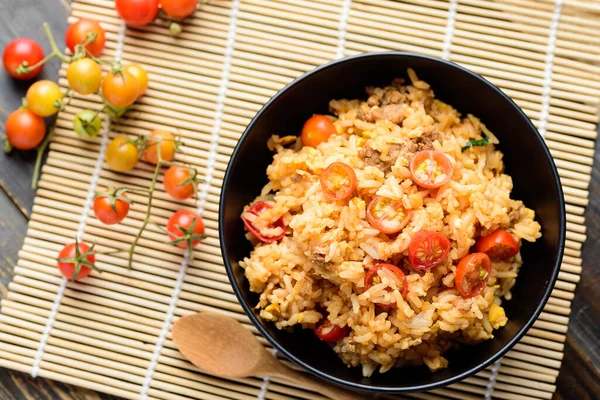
pixel 222 346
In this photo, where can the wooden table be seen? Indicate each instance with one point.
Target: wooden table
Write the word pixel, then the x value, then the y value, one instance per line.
pixel 580 374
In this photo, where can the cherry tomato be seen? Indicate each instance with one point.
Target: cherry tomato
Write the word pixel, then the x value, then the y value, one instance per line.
pixel 183 219
pixel 120 89
pixel 266 234
pixel 338 181
pixel 141 77
pixel 428 249
pixel 499 244
pixel 178 183
pixel 84 76
pixel 387 215
pixel 167 147
pixel 111 207
pixel 121 154
pixel 43 97
pixel 431 169
pixel 137 12
pixel 178 8
pixel 472 274
pixel 331 333
pixel 317 130
pixel 19 51
pixel 373 278
pixel 24 129
pixel 67 269
pixel 77 33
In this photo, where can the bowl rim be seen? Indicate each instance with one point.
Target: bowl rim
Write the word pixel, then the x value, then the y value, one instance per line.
pixel 414 388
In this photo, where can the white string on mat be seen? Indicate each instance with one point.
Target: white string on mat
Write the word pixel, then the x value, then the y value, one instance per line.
pixel 342 28
pixel 201 197
pixel 548 67
pixel 490 386
pixel 449 29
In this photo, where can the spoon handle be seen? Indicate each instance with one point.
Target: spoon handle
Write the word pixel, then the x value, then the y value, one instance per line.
pixel 321 387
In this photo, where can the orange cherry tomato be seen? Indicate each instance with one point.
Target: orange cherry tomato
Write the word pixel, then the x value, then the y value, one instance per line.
pixel 387 216
pixel 178 8
pixel 121 154
pixel 110 209
pixel 77 33
pixel 317 130
pixel 338 181
pixel 67 269
pixel 137 12
pixel 179 227
pixel 141 76
pixel 25 130
pixel 167 147
pixel 472 274
pixel 373 278
pixel 499 244
pixel 427 249
pixel 84 76
pixel 178 184
pixel 43 97
pixel 331 333
pixel 120 89
pixel 431 169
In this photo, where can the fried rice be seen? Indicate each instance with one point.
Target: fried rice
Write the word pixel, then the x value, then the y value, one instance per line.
pixel 316 269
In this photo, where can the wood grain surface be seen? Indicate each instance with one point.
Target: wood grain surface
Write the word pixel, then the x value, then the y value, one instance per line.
pixel 580 374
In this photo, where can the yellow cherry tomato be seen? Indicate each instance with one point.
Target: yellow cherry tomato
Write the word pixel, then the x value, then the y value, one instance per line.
pixel 120 89
pixel 121 154
pixel 84 76
pixel 167 147
pixel 141 76
pixel 43 97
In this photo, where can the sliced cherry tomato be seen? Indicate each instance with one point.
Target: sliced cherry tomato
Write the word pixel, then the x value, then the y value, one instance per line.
pixel 338 181
pixel 328 332
pixel 387 216
pixel 178 8
pixel 120 89
pixel 111 207
pixel 472 274
pixel 141 76
pixel 77 33
pixel 317 130
pixel 25 130
pixel 180 228
pixel 121 154
pixel 373 278
pixel 75 267
pixel 431 169
pixel 43 97
pixel 84 76
pixel 271 233
pixel 167 147
pixel 499 244
pixel 178 183
pixel 428 249
pixel 19 51
pixel 137 12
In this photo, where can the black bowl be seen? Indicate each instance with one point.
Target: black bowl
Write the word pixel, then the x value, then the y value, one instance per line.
pixel 527 160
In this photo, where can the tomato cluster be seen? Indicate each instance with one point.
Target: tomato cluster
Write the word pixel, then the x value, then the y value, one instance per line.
pixel 143 12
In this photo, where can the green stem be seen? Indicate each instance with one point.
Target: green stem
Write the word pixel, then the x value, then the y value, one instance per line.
pixel 40 154
pixel 55 50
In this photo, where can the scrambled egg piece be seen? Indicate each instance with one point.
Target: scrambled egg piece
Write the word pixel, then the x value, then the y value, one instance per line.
pixel 497 316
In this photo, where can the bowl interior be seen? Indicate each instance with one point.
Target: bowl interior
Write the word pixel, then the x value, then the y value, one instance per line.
pixel 527 161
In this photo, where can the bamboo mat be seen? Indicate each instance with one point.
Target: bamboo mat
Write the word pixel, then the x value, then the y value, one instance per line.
pixel 111 333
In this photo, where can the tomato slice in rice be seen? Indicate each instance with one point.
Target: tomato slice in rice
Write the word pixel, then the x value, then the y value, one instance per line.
pixel 427 249
pixel 338 181
pixel 431 169
pixel 256 209
pixel 387 216
pixel 317 130
pixel 472 274
pixel 328 332
pixel 500 245
pixel 372 278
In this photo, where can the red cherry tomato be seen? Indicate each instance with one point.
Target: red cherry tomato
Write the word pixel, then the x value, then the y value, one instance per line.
pixel 137 12
pixel 386 215
pixel 472 274
pixel 431 169
pixel 183 219
pixel 372 278
pixel 178 8
pixel 178 184
pixel 331 333
pixel 25 130
pixel 250 215
pixel 428 249
pixel 108 213
pixel 499 244
pixel 67 269
pixel 78 32
pixel 317 130
pixel 22 50
pixel 338 181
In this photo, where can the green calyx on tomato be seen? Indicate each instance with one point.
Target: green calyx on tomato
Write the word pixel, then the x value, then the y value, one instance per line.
pixel 80 260
pixel 114 194
pixel 87 124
